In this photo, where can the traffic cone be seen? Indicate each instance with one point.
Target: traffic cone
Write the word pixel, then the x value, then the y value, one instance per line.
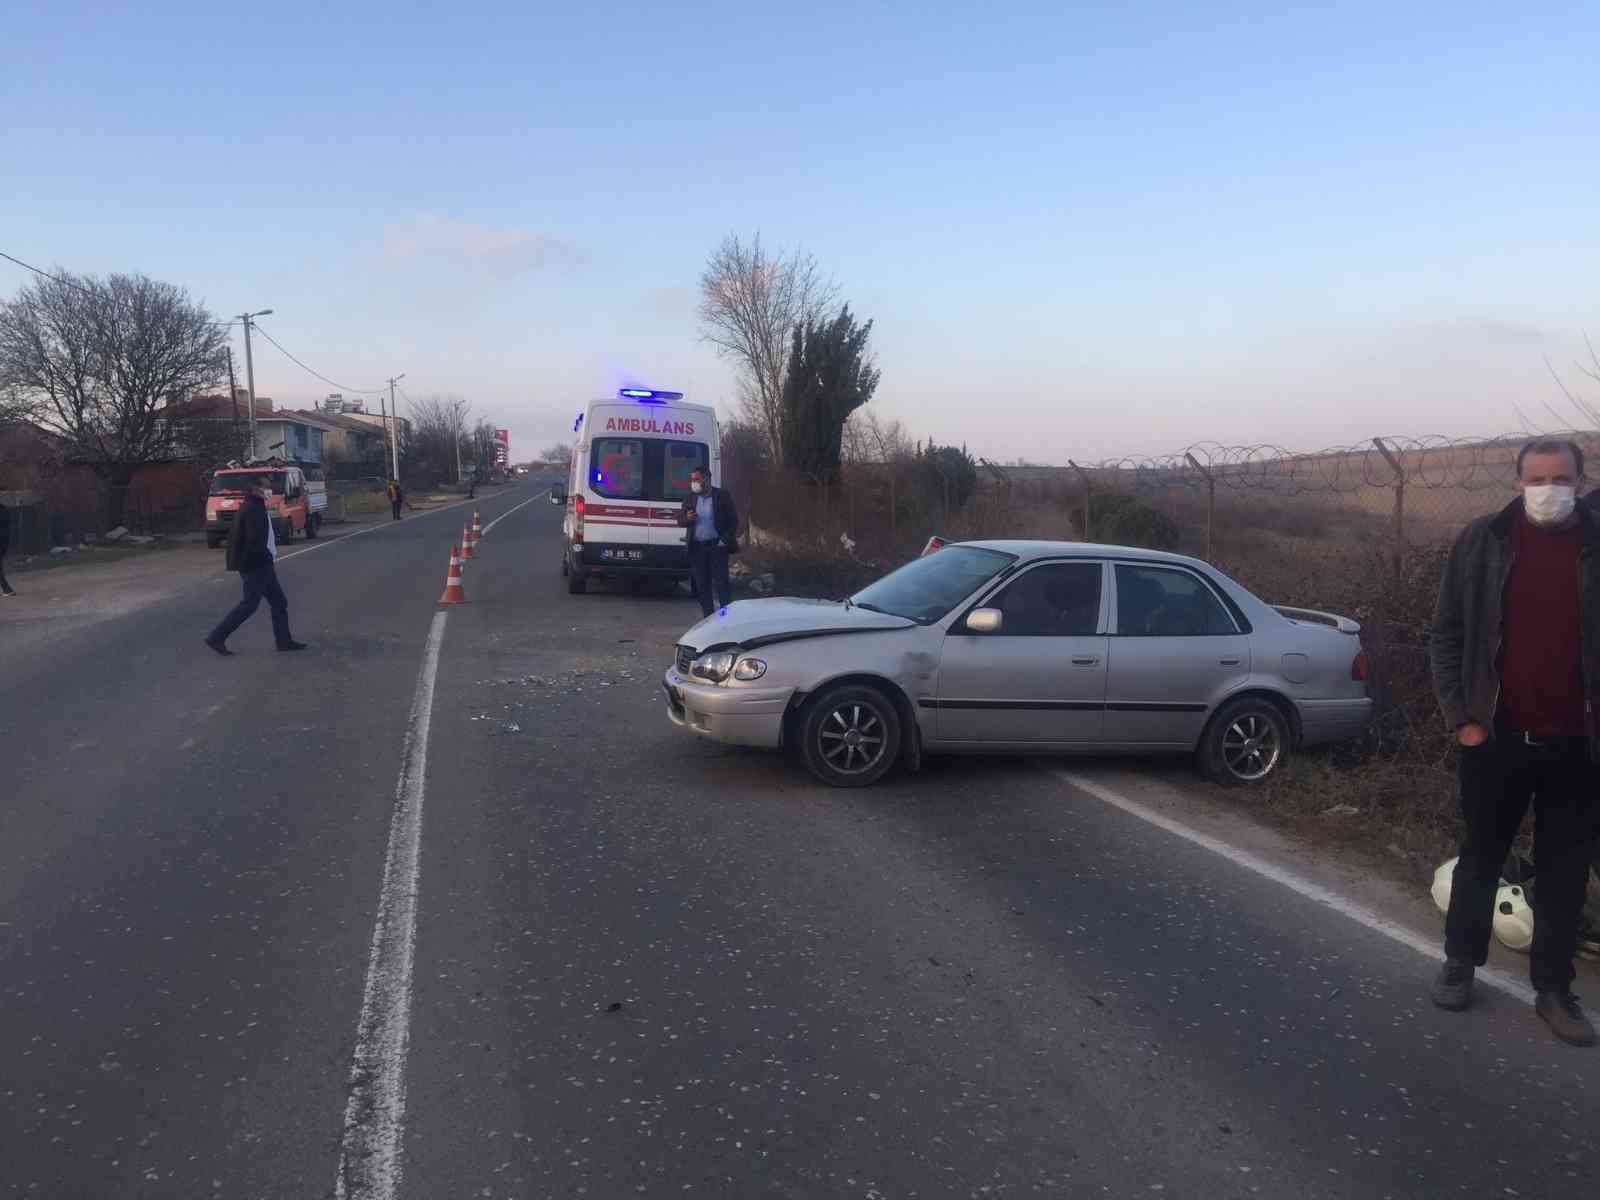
pixel 477 530
pixel 453 593
pixel 466 543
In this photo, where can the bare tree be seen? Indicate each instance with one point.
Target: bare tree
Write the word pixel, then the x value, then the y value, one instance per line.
pixel 483 447
pixel 557 453
pixel 98 361
pixel 437 424
pixel 751 300
pixel 15 404
pixel 1587 410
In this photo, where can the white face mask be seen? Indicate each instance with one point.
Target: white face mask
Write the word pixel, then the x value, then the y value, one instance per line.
pixel 696 487
pixel 1549 503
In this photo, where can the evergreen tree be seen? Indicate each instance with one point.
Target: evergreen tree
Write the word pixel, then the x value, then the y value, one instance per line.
pixel 830 375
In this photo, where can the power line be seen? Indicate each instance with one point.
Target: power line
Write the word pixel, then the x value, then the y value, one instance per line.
pixel 73 283
pixel 46 274
pixel 309 371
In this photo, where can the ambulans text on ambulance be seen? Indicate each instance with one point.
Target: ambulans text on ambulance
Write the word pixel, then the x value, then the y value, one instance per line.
pixel 648 425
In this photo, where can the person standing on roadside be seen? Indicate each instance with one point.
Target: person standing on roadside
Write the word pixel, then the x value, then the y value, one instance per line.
pixel 396 497
pixel 5 544
pixel 1515 653
pixel 253 552
pixel 713 525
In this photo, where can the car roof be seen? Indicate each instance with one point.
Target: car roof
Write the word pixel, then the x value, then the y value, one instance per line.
pixel 1028 550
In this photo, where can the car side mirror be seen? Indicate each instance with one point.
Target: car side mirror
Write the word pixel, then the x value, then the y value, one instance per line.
pixel 558 493
pixel 984 620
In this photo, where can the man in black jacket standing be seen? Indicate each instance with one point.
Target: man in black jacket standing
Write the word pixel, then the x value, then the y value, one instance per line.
pixel 713 525
pixel 1516 663
pixel 253 551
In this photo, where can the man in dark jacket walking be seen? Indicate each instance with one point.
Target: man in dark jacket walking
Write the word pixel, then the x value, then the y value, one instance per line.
pixel 253 552
pixel 1516 663
pixel 396 497
pixel 713 524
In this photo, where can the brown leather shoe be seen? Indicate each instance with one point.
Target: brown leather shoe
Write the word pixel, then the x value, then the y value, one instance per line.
pixel 1562 1012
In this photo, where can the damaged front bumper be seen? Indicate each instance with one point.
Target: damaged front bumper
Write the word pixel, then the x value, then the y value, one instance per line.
pixel 739 716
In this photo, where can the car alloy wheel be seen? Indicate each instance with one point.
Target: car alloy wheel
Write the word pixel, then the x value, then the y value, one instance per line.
pixel 852 738
pixel 850 735
pixel 1251 746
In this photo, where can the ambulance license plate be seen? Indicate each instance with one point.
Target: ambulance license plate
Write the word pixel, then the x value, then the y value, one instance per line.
pixel 622 555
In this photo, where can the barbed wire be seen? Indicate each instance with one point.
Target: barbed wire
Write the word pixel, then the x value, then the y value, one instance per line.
pixel 1434 463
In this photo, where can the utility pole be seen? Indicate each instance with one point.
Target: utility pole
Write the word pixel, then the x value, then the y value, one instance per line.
pixel 383 408
pixel 250 374
pixel 457 440
pixel 394 446
pixel 233 391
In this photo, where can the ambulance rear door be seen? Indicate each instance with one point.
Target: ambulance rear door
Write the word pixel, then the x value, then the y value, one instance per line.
pixel 617 508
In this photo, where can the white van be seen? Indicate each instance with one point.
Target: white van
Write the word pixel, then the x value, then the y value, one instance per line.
pixel 629 478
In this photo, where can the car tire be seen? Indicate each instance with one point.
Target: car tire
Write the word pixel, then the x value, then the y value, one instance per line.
pixel 213 540
pixel 830 752
pixel 313 526
pixel 577 581
pixel 1245 742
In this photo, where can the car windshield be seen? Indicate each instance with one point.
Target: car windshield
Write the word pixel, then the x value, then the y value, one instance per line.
pixel 235 485
pixel 925 589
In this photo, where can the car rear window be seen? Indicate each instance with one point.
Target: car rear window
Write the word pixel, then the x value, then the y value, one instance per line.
pixel 644 468
pixel 1162 602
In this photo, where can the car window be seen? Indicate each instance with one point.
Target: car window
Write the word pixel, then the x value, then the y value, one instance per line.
pixel 927 588
pixel 1052 600
pixel 616 468
pixel 1164 602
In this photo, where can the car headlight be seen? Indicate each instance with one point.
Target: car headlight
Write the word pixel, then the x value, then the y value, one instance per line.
pixel 714 666
pixel 749 668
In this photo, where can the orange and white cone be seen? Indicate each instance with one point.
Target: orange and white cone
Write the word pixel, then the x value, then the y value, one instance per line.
pixel 477 529
pixel 466 543
pixel 453 593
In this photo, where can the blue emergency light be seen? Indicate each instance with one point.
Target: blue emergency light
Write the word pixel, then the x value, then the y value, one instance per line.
pixel 649 395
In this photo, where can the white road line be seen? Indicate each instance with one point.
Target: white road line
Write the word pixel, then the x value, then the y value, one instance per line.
pixel 1304 887
pixel 513 509
pixel 374 528
pixel 374 1117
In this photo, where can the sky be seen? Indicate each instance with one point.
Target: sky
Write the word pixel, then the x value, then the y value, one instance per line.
pixel 1085 231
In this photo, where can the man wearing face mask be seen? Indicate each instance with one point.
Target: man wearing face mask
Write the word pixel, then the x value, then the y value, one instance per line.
pixel 713 525
pixel 1515 652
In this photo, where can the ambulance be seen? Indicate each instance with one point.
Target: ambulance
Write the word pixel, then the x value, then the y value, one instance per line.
pixel 628 481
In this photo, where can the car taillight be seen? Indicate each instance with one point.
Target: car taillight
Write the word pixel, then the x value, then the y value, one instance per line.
pixel 577 509
pixel 934 543
pixel 1358 667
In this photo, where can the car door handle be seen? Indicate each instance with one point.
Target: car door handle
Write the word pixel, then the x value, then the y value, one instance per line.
pixel 1229 662
pixel 1084 662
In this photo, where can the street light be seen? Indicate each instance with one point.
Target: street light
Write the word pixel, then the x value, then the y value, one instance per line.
pixel 250 374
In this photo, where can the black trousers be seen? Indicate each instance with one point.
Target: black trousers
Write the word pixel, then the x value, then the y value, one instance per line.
pixel 260 583
pixel 1498 780
pixel 708 566
pixel 4 586
pixel 395 504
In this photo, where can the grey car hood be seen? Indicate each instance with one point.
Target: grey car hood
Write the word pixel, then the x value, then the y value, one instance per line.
pixel 751 623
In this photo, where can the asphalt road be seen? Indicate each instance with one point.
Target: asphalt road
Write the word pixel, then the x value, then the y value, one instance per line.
pixel 646 965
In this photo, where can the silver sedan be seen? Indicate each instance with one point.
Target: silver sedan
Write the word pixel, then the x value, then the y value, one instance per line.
pixel 1025 647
